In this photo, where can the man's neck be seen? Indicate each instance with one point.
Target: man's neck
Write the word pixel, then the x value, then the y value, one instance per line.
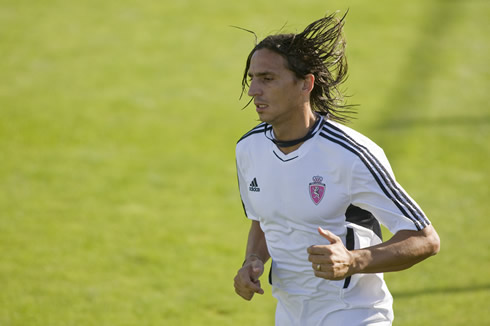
pixel 295 128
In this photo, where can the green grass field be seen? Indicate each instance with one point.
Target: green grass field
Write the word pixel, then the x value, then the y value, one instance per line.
pixel 118 121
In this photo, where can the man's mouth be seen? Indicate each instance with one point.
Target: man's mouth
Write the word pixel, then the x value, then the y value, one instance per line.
pixel 261 106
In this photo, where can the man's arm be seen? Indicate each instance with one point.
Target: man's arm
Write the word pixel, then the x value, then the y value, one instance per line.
pixel 405 249
pixel 247 279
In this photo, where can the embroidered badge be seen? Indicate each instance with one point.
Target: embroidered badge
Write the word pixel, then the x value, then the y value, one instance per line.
pixel 317 189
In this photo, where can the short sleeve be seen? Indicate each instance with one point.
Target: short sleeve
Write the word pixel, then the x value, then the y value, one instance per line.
pixel 374 188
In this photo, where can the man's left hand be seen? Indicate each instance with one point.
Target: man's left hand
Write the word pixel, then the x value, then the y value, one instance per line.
pixel 333 261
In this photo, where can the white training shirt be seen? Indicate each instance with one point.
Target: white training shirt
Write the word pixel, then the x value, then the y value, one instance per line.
pixel 338 179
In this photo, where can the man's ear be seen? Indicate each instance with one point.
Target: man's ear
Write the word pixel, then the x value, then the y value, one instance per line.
pixel 308 83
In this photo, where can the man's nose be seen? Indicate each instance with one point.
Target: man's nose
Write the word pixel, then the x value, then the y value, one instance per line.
pixel 254 89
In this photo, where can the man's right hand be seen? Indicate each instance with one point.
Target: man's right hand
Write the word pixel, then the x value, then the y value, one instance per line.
pixel 247 279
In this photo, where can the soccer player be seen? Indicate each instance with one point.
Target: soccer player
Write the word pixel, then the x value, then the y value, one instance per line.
pixel 315 190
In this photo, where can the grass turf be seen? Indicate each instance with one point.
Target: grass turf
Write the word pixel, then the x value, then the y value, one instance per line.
pixel 118 121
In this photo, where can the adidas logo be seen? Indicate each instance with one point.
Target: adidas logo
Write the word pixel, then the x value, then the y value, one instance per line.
pixel 254 186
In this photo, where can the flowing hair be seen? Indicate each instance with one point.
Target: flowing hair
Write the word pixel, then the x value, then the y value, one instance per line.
pixel 318 50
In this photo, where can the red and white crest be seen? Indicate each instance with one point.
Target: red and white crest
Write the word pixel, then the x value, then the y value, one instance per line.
pixel 317 189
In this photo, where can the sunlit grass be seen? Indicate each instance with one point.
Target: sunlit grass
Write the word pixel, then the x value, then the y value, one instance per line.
pixel 118 120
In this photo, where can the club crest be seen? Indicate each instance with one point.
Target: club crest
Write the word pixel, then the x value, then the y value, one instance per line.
pixel 317 189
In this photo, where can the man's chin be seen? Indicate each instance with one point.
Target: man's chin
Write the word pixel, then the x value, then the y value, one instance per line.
pixel 264 118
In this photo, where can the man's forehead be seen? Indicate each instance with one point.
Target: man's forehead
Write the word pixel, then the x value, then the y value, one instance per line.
pixel 265 61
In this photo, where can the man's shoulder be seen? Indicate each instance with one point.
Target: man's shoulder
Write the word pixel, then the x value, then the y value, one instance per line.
pixel 345 136
pixel 353 143
pixel 258 129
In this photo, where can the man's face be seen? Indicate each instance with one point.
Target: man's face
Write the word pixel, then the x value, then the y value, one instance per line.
pixel 277 92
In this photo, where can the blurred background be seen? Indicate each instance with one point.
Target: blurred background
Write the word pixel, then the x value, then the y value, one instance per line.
pixel 118 124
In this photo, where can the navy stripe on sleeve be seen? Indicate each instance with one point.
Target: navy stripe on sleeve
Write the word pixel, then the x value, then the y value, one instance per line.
pixel 257 129
pixel 383 178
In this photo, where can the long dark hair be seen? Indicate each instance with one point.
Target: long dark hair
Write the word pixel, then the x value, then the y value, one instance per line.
pixel 318 50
